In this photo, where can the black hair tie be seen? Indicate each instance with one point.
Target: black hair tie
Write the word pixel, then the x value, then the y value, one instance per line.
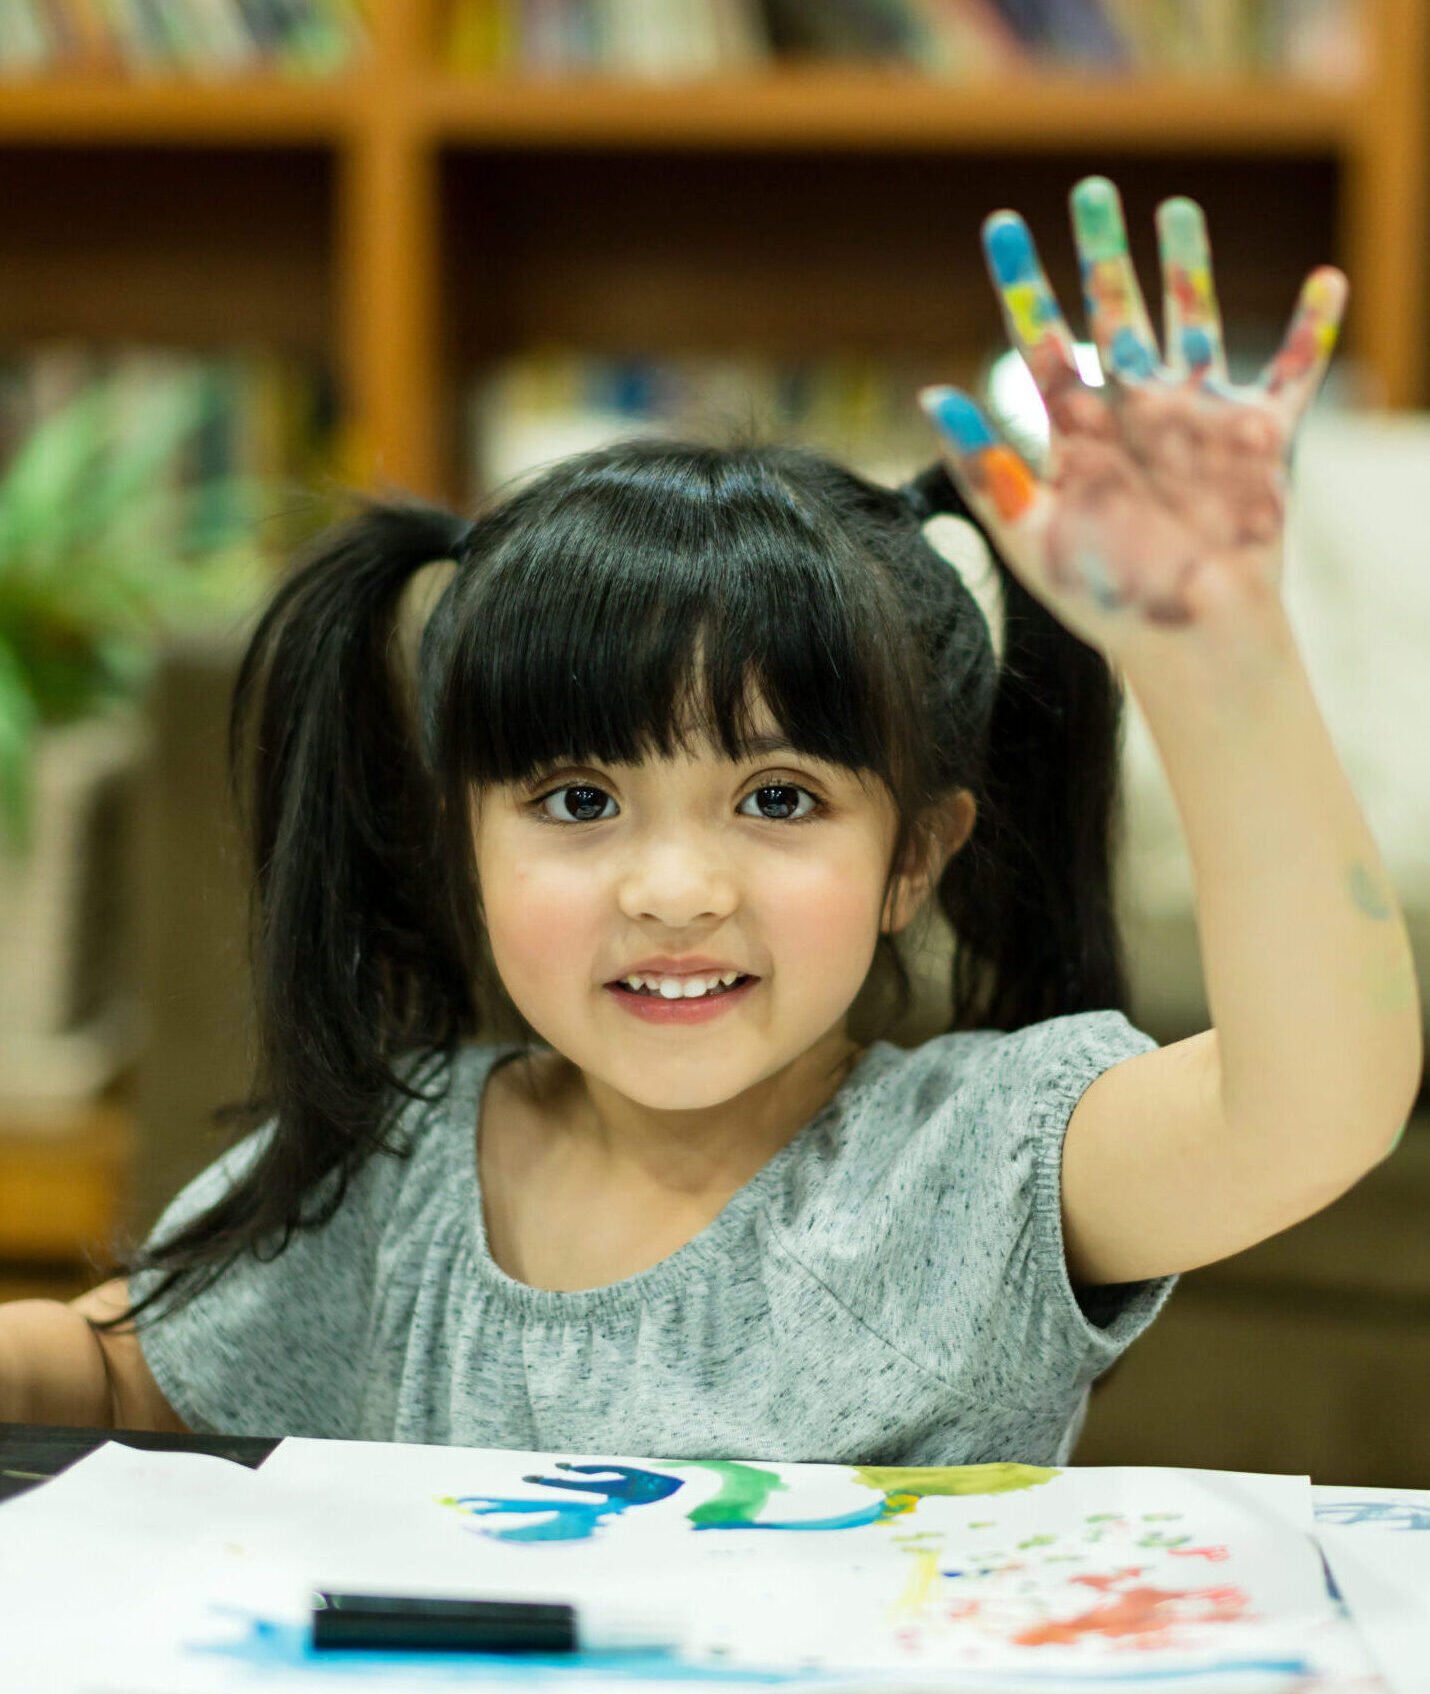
pixel 933 493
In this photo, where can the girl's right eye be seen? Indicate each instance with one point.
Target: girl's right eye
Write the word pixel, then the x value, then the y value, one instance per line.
pixel 584 808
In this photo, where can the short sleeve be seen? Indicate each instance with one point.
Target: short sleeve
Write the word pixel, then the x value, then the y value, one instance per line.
pixel 275 1346
pixel 1080 1330
pixel 939 1225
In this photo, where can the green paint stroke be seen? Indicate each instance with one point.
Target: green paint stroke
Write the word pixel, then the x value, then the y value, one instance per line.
pixel 1366 892
pixel 744 1490
pixel 925 1480
pixel 1097 220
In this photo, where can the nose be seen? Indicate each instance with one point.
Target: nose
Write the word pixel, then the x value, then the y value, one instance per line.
pixel 676 879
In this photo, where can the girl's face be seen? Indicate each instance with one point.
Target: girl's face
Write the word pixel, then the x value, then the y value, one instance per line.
pixel 774 868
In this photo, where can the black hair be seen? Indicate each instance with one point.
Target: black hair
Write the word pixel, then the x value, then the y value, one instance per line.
pixel 578 610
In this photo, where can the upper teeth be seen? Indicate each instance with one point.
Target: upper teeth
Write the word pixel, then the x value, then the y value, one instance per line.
pixel 681 987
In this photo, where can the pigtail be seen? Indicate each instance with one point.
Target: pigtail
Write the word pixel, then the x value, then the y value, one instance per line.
pixel 356 957
pixel 1030 899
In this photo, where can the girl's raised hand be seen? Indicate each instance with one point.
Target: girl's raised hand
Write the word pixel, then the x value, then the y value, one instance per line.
pixel 1163 504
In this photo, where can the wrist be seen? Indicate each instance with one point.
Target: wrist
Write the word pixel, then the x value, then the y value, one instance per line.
pixel 1189 677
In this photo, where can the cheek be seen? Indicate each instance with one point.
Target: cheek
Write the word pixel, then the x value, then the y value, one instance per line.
pixel 544 918
pixel 821 914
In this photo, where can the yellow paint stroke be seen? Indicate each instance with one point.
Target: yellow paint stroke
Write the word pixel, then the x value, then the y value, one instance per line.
pixel 926 1480
pixel 921 1580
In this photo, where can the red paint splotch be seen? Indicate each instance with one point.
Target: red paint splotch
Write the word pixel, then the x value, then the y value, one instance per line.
pixel 1212 1555
pixel 1141 1616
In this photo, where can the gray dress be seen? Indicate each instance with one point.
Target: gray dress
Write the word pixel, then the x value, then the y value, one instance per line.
pixel 890 1288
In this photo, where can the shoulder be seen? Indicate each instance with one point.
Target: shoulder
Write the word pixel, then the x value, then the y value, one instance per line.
pixel 929 1204
pixel 982 1082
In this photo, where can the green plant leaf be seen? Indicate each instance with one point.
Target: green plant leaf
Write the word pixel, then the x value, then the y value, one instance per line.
pixel 82 466
pixel 19 730
pixel 104 547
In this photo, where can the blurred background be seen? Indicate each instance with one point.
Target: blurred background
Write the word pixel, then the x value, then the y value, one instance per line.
pixel 254 251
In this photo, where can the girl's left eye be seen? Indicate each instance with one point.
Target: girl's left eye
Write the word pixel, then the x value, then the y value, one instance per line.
pixel 784 789
pixel 584 803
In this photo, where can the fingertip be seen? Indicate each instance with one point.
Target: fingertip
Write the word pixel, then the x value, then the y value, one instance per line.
pixel 1008 247
pixel 957 417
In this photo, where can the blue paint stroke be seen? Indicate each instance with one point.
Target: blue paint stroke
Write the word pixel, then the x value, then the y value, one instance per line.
pixel 850 1520
pixel 270 1646
pixel 1384 1514
pixel 620 1487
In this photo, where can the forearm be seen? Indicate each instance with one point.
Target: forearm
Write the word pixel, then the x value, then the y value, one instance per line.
pixel 52 1367
pixel 1308 969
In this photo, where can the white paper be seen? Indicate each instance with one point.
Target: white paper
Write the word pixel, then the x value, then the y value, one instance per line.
pixel 806 1573
pixel 1377 1545
pixel 820 1576
pixel 82 1555
pixel 1396 1509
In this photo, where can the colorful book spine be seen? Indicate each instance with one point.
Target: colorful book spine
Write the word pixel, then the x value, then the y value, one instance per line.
pixel 533 407
pixel 211 38
pixel 1323 41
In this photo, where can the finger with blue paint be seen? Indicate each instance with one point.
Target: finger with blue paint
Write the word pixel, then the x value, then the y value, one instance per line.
pixel 1031 315
pixel 1116 312
pixel 1191 318
pixel 993 477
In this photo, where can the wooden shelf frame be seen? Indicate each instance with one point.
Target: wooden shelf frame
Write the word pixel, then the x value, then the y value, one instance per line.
pixel 389 125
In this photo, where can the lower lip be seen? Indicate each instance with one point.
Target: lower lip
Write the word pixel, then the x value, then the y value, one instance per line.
pixel 655 1008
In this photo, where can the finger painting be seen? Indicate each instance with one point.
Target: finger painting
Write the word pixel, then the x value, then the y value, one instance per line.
pixel 805 1572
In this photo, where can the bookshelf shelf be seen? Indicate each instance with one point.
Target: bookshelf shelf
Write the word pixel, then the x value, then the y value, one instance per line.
pixel 256 111
pixel 435 209
pixel 868 110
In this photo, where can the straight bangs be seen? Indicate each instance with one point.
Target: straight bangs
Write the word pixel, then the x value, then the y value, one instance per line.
pixel 643 600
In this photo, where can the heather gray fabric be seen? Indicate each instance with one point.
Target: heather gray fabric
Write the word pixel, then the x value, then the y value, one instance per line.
pixel 889 1289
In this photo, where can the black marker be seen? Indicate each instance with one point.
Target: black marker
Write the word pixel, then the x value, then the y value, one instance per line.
pixel 391 1622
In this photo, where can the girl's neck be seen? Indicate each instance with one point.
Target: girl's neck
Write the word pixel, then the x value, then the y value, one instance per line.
pixel 715 1149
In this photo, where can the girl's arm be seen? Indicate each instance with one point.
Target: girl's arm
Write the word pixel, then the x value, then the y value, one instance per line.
pixel 1182 1156
pixel 56 1369
pixel 1156 535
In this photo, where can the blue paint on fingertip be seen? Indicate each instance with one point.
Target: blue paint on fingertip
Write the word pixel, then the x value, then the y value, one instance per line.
pixel 954 415
pixel 1009 247
pixel 1196 348
pixel 1131 357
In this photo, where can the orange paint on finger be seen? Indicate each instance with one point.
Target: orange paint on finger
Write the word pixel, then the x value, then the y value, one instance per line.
pixel 1006 480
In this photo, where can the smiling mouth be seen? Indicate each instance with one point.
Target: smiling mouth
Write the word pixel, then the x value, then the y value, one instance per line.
pixel 675 999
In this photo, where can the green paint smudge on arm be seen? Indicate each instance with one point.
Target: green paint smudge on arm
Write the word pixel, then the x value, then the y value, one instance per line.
pixel 1366 891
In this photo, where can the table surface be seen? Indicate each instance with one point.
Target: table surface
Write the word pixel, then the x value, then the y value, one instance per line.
pixel 33 1452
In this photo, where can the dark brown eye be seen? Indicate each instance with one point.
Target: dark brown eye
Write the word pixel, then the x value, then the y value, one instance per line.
pixel 583 800
pixel 778 802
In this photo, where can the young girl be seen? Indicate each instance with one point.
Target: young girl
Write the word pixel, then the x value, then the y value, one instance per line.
pixel 693 734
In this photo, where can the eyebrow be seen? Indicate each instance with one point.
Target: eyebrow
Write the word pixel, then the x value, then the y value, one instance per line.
pixel 774 743
pixel 757 747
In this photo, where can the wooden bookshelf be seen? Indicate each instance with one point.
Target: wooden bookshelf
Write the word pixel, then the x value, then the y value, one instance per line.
pixel 409 225
pixel 62 1183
